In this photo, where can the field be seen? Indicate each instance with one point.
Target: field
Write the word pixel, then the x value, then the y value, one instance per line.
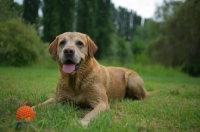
pixel 176 108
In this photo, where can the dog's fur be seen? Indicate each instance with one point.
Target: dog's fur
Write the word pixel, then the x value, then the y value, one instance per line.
pixel 91 84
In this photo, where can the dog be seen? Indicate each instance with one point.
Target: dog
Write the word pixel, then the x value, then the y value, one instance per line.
pixel 83 81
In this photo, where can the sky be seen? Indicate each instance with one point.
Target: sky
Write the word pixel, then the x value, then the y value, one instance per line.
pixel 144 8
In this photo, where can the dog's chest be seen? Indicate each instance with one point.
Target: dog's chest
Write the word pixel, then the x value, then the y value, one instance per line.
pixel 75 90
pixel 76 97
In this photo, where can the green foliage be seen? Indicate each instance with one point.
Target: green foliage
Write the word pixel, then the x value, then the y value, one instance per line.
pixel 94 19
pixel 87 17
pixel 58 17
pixel 185 35
pixel 18 9
pixel 176 38
pixel 167 10
pixel 125 22
pixel 119 51
pixel 104 27
pixel 137 46
pixel 20 45
pixel 30 10
pixel 66 15
pixel 9 9
pixel 124 51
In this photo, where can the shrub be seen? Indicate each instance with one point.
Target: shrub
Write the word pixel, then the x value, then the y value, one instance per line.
pixel 19 43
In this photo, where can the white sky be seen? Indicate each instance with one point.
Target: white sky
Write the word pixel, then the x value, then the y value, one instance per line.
pixel 144 8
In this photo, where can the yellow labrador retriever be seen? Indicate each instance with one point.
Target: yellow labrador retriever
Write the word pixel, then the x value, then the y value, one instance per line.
pixel 84 81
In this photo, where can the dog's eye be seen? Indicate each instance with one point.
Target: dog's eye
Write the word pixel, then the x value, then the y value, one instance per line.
pixel 62 42
pixel 79 43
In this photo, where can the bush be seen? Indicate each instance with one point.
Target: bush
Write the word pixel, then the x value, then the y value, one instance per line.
pixel 137 46
pixel 20 45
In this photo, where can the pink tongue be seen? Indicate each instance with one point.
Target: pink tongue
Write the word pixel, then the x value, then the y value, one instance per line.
pixel 68 68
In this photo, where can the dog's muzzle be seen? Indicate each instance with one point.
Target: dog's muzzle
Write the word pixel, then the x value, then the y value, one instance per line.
pixel 69 65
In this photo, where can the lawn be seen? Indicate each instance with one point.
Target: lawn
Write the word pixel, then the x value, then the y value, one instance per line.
pixel 176 108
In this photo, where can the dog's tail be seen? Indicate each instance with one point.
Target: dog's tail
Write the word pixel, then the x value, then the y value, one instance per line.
pixel 149 93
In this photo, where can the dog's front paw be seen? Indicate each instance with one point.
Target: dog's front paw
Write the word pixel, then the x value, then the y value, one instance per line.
pixel 84 123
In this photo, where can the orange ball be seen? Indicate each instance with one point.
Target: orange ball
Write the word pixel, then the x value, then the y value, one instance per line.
pixel 25 113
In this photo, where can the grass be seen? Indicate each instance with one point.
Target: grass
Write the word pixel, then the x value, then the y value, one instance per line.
pixel 176 108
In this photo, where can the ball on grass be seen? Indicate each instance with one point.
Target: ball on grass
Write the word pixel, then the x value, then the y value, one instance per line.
pixel 25 113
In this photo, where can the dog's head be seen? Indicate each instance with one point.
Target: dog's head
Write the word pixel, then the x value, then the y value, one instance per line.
pixel 71 49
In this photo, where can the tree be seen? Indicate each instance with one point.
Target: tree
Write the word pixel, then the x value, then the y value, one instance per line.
pixel 178 43
pixel 122 22
pixel 87 17
pixel 136 22
pixel 94 19
pixel 30 12
pixel 50 20
pixel 58 17
pixel 66 15
pixel 184 32
pixel 104 28
pixel 8 9
pixel 125 22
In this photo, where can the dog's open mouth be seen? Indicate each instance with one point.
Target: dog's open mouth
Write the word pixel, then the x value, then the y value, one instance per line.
pixel 69 66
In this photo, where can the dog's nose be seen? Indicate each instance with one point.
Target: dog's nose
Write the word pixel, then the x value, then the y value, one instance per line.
pixel 69 51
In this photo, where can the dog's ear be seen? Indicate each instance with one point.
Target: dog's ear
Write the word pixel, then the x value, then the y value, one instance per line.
pixel 92 48
pixel 53 47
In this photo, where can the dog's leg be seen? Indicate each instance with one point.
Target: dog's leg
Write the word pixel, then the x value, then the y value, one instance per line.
pixel 100 107
pixel 135 87
pixel 49 101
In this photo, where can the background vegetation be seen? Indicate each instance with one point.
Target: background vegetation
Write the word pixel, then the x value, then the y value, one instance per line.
pixel 171 38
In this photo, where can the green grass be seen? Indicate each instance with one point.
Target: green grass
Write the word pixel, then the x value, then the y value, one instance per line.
pixel 176 108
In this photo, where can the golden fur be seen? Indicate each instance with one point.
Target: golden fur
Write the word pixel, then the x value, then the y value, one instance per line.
pixel 91 84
